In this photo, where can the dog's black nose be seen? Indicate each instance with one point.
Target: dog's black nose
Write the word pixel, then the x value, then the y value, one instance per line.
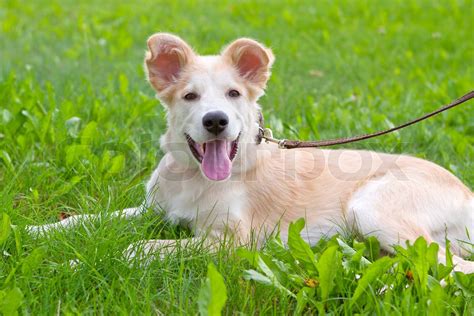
pixel 215 122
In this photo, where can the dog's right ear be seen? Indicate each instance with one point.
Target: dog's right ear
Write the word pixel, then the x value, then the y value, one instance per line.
pixel 165 59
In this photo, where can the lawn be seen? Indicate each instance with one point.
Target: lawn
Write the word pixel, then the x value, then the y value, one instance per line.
pixel 80 127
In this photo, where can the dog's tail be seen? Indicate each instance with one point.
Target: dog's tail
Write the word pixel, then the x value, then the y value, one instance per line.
pixel 76 220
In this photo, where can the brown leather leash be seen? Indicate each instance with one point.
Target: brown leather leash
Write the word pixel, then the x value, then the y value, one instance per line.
pixel 266 133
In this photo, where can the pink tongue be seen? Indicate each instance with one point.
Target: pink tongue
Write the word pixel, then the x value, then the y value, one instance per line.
pixel 216 164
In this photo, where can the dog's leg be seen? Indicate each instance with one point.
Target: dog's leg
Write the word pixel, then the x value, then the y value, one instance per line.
pixel 391 232
pixel 396 212
pixel 76 220
pixel 145 251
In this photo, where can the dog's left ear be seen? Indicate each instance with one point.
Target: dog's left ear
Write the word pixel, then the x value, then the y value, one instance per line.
pixel 252 60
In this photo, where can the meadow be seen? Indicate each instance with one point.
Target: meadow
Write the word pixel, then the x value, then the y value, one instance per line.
pixel 80 128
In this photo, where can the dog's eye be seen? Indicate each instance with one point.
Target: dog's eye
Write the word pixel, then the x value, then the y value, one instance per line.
pixel 191 96
pixel 233 93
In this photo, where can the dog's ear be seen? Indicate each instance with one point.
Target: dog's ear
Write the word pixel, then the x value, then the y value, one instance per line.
pixel 165 59
pixel 252 60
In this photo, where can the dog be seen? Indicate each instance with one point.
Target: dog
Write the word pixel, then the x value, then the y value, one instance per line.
pixel 216 177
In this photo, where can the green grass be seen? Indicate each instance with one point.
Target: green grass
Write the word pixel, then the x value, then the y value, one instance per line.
pixel 79 130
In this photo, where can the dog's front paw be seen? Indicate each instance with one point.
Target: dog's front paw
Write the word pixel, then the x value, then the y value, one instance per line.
pixel 145 251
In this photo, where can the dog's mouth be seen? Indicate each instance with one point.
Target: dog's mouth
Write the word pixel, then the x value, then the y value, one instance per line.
pixel 215 156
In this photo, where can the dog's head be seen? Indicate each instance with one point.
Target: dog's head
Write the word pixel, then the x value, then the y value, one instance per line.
pixel 211 100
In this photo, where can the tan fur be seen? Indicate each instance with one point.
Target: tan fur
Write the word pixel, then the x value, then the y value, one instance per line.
pixel 287 185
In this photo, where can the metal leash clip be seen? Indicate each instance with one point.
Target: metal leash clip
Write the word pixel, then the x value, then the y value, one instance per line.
pixel 267 134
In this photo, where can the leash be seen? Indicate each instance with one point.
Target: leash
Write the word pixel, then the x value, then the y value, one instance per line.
pixel 267 135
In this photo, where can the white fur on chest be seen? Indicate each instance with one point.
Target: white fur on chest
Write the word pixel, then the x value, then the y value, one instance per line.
pixel 187 197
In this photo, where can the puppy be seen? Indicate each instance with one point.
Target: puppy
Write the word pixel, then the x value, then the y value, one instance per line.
pixel 217 177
